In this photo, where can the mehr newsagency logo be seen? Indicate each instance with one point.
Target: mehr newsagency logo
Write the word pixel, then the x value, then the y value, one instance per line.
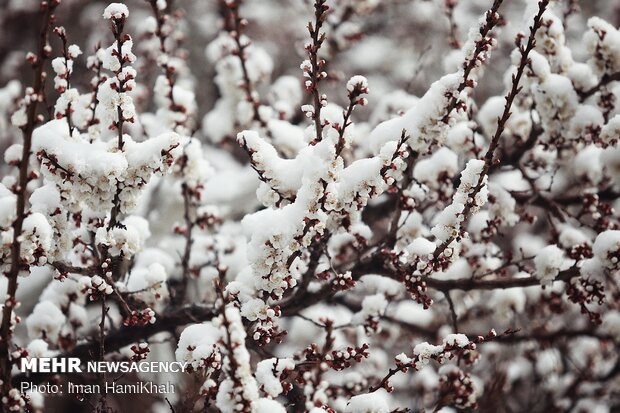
pixel 75 365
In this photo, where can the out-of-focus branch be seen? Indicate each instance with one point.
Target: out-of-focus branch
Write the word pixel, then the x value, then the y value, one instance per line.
pixel 607 79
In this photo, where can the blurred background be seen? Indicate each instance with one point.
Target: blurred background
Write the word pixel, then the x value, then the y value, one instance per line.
pixel 397 44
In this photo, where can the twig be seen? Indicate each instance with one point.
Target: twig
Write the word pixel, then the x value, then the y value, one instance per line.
pixel 607 79
pixel 455 324
pixel 501 121
pixel 316 71
pixel 235 25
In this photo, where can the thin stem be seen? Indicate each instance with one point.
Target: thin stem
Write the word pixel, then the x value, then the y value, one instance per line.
pixel 102 376
pixel 317 65
pixel 235 26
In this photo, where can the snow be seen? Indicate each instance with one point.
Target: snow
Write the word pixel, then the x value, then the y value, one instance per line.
pixel 611 324
pixel 357 81
pixel 549 262
pixel 269 383
pixel 556 102
pixel 7 207
pixel 74 51
pixel 507 301
pixel 588 165
pixel 116 11
pixel 380 284
pixel 421 247
pixel 45 321
pixel 244 386
pixel 582 76
pixel 281 174
pixel 285 95
pixel 470 176
pixel 412 313
pixel 457 340
pixel 548 361
pixel 97 168
pixel 69 97
pixel 448 222
pixel 150 282
pixel 38 348
pixel 368 403
pixel 392 104
pixel 118 240
pixel 424 352
pixel 503 206
pixel 374 305
pixel 570 237
pixel 611 131
pixel 443 163
pixel 150 255
pixel 263 405
pixel 13 154
pixel 359 182
pixel 540 65
pixel 254 309
pixel 19 117
pixel 607 248
pixel 423 122
pixel 605 48
pixel 231 108
pixel 587 119
pixel 197 344
pixel 37 239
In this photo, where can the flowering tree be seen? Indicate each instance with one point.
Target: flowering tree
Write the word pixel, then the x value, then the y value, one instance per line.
pixel 447 243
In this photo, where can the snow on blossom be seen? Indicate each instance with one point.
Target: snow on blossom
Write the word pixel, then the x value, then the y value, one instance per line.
pixel 556 101
pixel 198 346
pixel 549 262
pixel 457 340
pixel 37 239
pixel 38 348
pixel 149 283
pixel 239 385
pixel 374 305
pixel 357 81
pixel 93 172
pixel 448 222
pixel 268 374
pixel 45 321
pixel 440 165
pixel 127 239
pixel 7 207
pixel 368 403
pixel 116 11
pixel 424 352
pixel 603 43
pixel 264 405
pixel 607 248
